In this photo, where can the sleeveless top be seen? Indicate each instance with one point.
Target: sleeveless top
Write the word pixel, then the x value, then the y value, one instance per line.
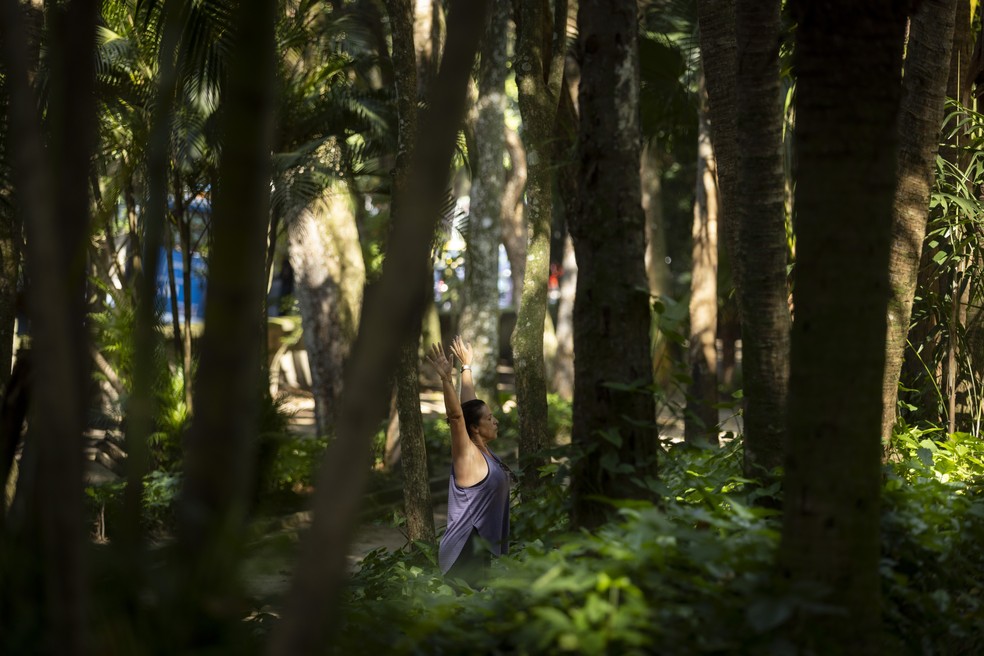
pixel 483 507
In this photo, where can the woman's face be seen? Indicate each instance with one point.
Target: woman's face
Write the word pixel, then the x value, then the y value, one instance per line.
pixel 488 425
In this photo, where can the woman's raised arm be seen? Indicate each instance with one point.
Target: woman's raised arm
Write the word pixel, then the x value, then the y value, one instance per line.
pixel 463 351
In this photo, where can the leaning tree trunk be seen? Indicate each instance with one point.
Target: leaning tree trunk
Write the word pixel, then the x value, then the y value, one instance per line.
pixel 413 449
pixel 480 316
pixel 759 212
pixel 329 274
pixel 613 426
pixel 701 420
pixel 539 69
pixel 51 172
pixel 847 98
pixel 320 574
pixel 927 63
pixel 222 439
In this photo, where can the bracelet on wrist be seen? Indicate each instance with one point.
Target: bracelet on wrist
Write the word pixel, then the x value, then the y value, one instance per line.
pixel 466 367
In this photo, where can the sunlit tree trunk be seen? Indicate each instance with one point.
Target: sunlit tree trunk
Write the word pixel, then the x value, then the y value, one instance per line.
pixel 759 212
pixel 329 274
pixel 480 316
pixel 539 68
pixel 611 309
pixel 413 450
pixel 927 63
pixel 51 173
pixel 221 442
pixel 847 99
pixel 428 40
pixel 512 220
pixel 718 52
pixel 702 415
pixel 657 270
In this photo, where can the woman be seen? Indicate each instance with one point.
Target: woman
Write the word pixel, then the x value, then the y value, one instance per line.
pixel 478 491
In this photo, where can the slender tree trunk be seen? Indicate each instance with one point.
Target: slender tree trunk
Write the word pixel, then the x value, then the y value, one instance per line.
pixel 221 442
pixel 416 480
pixel 514 230
pixel 927 63
pixel 329 274
pixel 480 316
pixel 539 70
pixel 718 48
pixel 847 98
pixel 172 288
pixel 759 211
pixel 657 270
pixel 52 184
pixel 611 309
pixel 187 255
pixel 428 40
pixel 320 573
pixel 702 415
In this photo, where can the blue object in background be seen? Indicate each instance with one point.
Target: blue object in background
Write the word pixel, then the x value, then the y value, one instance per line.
pixel 198 278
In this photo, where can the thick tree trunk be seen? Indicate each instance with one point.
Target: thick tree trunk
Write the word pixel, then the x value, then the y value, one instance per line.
pixel 480 316
pixel 847 100
pixel 51 173
pixel 927 63
pixel 416 485
pixel 320 573
pixel 702 416
pixel 759 213
pixel 611 310
pixel 329 274
pixel 539 70
pixel 222 439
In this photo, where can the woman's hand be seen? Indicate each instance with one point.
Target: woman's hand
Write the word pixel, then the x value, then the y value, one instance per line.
pixel 440 361
pixel 462 350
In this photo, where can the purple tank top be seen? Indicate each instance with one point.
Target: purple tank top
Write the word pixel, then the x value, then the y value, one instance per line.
pixel 483 507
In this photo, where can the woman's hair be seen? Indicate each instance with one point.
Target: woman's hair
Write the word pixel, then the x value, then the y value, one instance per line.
pixel 472 411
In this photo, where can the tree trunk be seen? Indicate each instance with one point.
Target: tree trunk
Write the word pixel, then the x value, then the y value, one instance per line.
pixel 539 69
pixel 927 63
pixel 611 310
pixel 221 442
pixel 416 484
pixel 428 40
pixel 718 51
pixel 657 270
pixel 759 212
pixel 480 316
pixel 847 98
pixel 51 172
pixel 701 421
pixel 514 230
pixel 329 274
pixel 321 569
pixel 563 372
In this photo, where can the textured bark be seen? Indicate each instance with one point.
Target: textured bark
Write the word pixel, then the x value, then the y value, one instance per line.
pixel 51 174
pixel 847 100
pixel 611 309
pixel 514 229
pixel 923 95
pixel 719 60
pixel 329 274
pixel 702 416
pixel 480 316
pixel 657 270
pixel 539 70
pixel 413 449
pixel 221 443
pixel 759 213
pixel 320 574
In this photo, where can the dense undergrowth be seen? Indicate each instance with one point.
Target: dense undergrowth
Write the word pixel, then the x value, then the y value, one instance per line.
pixel 691 575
